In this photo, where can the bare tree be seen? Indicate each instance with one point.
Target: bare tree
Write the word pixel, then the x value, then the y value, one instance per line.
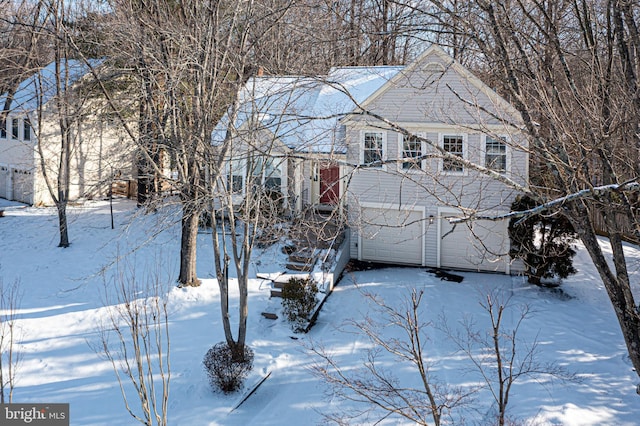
pixel 57 13
pixel 9 338
pixel 400 332
pixel 497 352
pixel 139 322
pixel 570 68
pixel 23 47
pixel 190 59
pixel 245 208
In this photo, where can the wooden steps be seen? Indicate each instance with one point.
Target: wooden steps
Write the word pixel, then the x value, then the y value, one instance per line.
pixel 303 260
pixel 278 280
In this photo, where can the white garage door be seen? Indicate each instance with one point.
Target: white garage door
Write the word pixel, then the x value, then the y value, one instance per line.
pixel 4 180
pixel 23 186
pixel 392 236
pixel 478 246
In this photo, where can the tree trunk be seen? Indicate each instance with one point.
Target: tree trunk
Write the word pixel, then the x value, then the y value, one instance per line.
pixel 62 221
pixel 188 247
pixel 617 285
pixel 243 311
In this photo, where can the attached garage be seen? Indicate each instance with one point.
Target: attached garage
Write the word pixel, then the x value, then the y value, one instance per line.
pixel 475 246
pixel 22 183
pixel 391 235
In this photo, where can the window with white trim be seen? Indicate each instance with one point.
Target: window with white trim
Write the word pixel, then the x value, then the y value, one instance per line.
pixel 495 157
pixel 267 172
pixel 412 152
pixel 453 144
pixel 373 148
pixel 235 176
pixel 26 129
pixel 3 128
pixel 259 171
pixel 15 128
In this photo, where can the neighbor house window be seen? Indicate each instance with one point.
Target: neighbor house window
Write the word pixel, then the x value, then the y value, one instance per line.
pixel 453 145
pixel 496 154
pixel 373 148
pixel 15 127
pixel 235 183
pixel 3 129
pixel 412 153
pixel 26 130
pixel 268 173
pixel 264 172
pixel 235 176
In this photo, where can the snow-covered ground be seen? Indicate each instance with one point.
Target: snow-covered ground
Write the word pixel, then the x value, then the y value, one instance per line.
pixel 63 305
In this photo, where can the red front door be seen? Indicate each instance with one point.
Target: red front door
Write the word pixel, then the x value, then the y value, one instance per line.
pixel 329 184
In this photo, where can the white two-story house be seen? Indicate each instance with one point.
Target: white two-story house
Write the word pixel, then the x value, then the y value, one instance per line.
pixel 338 140
pixel 404 193
pixel 30 140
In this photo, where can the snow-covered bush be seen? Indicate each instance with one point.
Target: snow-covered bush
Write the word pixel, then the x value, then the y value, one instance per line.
pixel 298 301
pixel 228 367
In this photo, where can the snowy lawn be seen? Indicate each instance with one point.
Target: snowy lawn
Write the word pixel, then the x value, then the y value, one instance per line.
pixel 63 305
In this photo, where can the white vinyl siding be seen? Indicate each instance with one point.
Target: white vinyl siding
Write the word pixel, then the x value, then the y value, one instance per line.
pixel 419 102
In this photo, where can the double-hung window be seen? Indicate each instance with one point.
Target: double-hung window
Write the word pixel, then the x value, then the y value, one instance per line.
pixel 26 130
pixel 454 145
pixel 495 154
pixel 3 128
pixel 15 128
pixel 235 176
pixel 268 170
pixel 373 148
pixel 411 154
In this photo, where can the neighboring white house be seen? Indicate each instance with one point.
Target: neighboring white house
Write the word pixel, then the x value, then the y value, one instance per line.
pixel 98 151
pixel 324 145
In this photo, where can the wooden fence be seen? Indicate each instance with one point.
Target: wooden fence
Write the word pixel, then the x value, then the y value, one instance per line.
pixel 628 228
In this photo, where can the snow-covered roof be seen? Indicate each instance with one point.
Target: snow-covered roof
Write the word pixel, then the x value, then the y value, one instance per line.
pixel 44 82
pixel 303 112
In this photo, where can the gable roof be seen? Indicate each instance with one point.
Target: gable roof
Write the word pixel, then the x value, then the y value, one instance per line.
pixel 43 82
pixel 451 63
pixel 304 112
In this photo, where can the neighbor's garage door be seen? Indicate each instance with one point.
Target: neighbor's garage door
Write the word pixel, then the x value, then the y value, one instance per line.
pixel 22 186
pixel 4 179
pixel 474 245
pixel 392 236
